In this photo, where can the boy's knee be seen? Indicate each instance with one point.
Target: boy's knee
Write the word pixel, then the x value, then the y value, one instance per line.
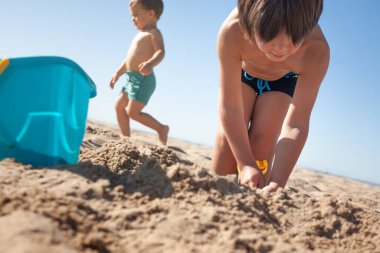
pixel 263 141
pixel 132 113
pixel 223 161
pixel 224 167
pixel 119 106
pixel 221 140
pixel 258 138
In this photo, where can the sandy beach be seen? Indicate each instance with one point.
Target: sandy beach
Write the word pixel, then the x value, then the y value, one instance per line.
pixel 130 195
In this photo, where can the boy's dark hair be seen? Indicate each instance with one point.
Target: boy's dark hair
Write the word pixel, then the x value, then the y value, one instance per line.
pixel 156 5
pixel 267 18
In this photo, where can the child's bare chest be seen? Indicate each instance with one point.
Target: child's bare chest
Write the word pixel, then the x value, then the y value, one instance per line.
pixel 142 41
pixel 256 63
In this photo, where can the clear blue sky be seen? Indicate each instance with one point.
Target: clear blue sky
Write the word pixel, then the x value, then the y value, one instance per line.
pixel 345 129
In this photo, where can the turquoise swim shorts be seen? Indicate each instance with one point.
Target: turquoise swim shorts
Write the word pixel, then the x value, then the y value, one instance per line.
pixel 139 87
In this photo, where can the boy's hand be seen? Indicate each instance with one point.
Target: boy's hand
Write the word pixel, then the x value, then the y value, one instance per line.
pixel 145 68
pixel 251 176
pixel 114 79
pixel 271 187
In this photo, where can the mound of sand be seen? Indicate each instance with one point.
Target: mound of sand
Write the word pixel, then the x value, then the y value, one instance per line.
pixel 129 195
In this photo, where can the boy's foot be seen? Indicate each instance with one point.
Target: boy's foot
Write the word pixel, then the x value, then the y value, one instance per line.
pixel 163 135
pixel 271 187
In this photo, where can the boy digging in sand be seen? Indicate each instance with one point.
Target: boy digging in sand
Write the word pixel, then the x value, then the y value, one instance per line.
pixel 145 52
pixel 273 57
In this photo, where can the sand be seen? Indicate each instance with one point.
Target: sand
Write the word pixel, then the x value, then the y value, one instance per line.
pixel 130 195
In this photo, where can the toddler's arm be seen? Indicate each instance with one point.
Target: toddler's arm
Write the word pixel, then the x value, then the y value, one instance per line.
pixel 146 67
pixel 121 70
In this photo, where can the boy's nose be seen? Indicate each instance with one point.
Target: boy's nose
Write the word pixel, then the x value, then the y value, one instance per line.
pixel 280 48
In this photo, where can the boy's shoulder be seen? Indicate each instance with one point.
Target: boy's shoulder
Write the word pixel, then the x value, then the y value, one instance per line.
pixel 316 37
pixel 154 31
pixel 315 55
pixel 231 31
pixel 317 46
pixel 231 25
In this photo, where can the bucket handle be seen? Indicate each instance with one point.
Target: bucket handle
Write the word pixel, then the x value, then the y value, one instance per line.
pixel 4 63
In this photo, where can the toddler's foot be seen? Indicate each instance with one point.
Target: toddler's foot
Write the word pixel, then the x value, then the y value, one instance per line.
pixel 163 135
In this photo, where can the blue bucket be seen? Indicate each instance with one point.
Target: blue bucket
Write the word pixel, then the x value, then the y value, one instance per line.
pixel 43 109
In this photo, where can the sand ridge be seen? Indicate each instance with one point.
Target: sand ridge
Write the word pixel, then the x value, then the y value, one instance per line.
pixel 130 195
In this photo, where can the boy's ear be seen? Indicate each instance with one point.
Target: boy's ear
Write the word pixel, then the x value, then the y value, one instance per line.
pixel 152 13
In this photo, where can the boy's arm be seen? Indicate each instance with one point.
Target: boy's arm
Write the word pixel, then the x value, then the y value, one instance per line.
pixel 146 67
pixel 121 70
pixel 296 125
pixel 230 101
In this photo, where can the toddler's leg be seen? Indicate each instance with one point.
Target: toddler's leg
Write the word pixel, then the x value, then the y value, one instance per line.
pixel 134 111
pixel 121 114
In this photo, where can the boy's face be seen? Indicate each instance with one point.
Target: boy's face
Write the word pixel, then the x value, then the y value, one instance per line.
pixel 141 18
pixel 278 49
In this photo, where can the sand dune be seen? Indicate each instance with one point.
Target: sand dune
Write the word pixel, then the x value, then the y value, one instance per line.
pixel 129 195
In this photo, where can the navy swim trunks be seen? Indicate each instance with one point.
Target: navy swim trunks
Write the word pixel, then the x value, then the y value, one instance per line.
pixel 286 84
